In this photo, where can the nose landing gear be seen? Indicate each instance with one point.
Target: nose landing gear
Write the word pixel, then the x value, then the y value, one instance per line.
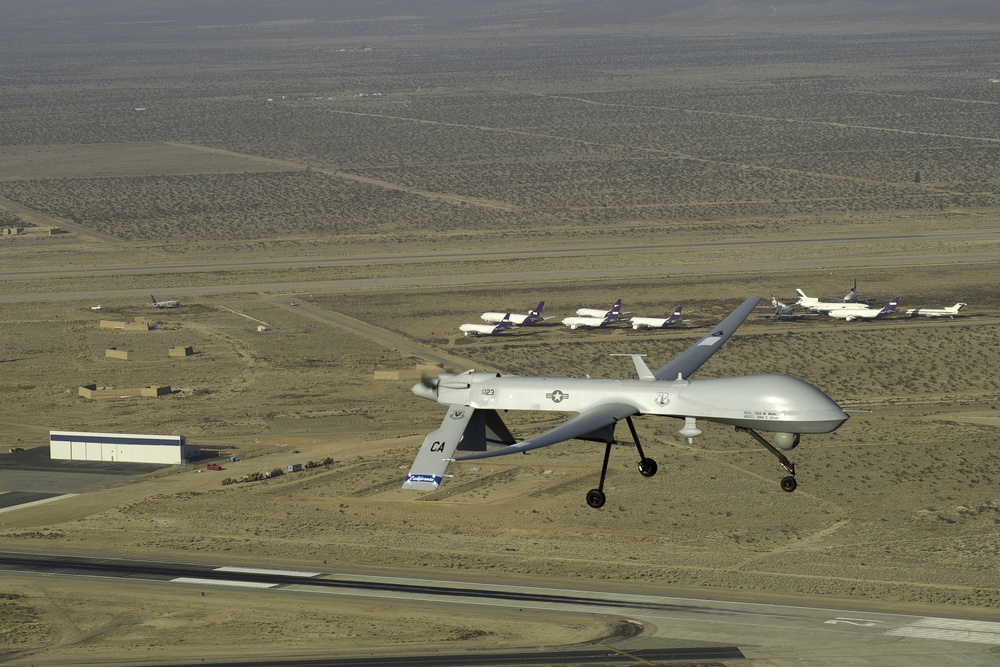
pixel 788 484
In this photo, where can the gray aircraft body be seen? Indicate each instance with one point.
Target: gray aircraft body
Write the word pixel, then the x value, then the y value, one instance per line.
pixel 172 303
pixel 779 404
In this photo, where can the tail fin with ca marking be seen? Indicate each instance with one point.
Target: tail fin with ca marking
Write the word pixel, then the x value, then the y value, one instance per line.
pixel 463 428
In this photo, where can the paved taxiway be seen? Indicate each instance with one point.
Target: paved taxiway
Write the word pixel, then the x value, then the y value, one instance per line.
pixel 775 633
pixel 988 260
pixel 847 258
pixel 480 255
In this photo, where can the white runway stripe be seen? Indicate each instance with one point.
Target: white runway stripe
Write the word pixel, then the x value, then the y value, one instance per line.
pixel 221 582
pixel 950 629
pixel 38 502
pixel 257 570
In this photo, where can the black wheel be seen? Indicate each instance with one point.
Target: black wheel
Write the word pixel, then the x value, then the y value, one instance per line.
pixel 647 467
pixel 596 498
pixel 788 484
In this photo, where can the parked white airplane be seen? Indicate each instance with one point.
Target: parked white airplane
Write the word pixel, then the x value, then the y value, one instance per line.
pixel 165 304
pixel 487 329
pixel 853 296
pixel 948 311
pixel 866 313
pixel 597 312
pixel 656 322
pixel 590 321
pixel 533 317
pixel 813 303
pixel 97 307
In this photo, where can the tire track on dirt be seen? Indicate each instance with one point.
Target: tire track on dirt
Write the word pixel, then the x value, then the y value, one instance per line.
pixel 377 334
pixel 450 198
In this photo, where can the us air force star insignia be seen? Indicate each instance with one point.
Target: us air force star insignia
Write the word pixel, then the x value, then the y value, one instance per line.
pixel 557 396
pixel 662 399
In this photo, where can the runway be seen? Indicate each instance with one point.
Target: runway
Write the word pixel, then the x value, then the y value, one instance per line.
pixel 780 633
pixel 846 256
pixel 481 255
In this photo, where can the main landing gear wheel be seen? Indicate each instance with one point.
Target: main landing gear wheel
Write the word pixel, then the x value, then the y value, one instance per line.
pixel 647 467
pixel 788 484
pixel 596 498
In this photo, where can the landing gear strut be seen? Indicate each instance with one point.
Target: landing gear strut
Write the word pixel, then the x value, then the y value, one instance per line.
pixel 788 484
pixel 647 468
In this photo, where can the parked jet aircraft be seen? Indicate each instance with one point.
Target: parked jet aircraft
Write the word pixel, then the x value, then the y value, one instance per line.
pixel 866 313
pixel 164 304
pixel 948 311
pixel 596 312
pixel 783 405
pixel 534 316
pixel 813 303
pixel 486 329
pixel 853 296
pixel 656 322
pixel 782 311
pixel 595 321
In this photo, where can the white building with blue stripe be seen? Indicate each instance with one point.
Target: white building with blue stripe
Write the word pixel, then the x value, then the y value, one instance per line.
pixel 123 447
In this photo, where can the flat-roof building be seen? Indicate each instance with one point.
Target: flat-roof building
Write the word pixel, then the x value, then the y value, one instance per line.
pixel 124 447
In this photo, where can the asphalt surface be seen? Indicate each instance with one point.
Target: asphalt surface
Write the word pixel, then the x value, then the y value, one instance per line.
pixel 777 633
pixel 845 257
pixel 483 255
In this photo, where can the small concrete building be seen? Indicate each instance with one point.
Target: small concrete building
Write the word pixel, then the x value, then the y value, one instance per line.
pixel 124 447
pixel 138 325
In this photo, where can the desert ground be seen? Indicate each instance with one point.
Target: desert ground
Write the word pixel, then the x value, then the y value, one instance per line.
pixel 319 235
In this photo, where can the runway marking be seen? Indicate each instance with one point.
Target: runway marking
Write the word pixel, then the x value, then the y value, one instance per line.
pixel 221 582
pixel 36 502
pixel 950 629
pixel 257 570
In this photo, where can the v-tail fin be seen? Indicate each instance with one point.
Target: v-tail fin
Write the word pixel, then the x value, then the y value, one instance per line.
pixel 463 428
pixel 437 450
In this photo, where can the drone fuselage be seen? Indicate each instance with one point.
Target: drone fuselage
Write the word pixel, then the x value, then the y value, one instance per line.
pixel 776 403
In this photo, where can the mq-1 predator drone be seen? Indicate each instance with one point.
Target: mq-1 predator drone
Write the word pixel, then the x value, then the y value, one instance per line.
pixel 779 404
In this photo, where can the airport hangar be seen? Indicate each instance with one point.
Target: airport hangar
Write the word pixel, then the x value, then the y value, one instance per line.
pixel 120 447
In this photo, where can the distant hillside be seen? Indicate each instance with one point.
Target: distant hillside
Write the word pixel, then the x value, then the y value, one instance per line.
pixel 838 11
pixel 416 16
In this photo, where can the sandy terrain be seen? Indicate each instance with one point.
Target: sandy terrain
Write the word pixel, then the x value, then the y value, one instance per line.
pixel 557 155
pixel 897 505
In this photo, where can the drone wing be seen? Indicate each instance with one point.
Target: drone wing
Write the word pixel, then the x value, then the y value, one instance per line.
pixel 598 422
pixel 691 359
pixel 587 423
